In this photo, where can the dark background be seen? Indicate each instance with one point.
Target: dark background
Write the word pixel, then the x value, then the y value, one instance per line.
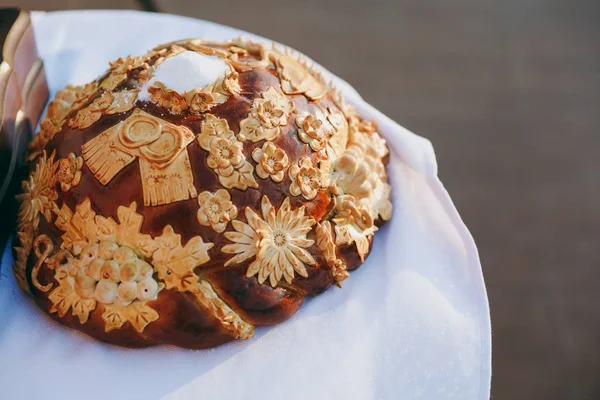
pixel 508 91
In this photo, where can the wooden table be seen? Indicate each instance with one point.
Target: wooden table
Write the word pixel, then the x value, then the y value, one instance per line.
pixel 509 94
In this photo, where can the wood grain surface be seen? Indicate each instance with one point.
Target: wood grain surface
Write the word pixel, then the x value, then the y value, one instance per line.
pixel 509 94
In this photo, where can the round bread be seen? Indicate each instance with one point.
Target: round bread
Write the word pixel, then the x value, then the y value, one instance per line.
pixel 158 212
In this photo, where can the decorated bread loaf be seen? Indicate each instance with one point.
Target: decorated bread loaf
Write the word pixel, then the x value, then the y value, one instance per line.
pixel 195 192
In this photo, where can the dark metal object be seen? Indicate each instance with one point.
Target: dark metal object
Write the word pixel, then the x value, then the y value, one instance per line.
pixel 23 95
pixel 148 5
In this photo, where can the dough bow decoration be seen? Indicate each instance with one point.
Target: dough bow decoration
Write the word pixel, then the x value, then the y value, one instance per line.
pixel 159 146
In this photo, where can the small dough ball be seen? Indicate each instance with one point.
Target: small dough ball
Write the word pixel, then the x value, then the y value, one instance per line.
pixel 124 254
pixel 129 271
pixel 94 268
pixel 106 291
pixel 110 271
pixel 88 253
pixel 85 285
pixel 147 289
pixel 145 270
pixel 106 249
pixel 127 291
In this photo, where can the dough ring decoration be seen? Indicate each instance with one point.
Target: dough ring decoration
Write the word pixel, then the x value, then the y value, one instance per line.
pixel 195 192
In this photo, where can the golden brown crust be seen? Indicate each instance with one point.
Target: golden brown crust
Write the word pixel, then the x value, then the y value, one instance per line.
pixel 189 218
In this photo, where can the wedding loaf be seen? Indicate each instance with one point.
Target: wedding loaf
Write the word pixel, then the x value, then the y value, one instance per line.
pixel 194 192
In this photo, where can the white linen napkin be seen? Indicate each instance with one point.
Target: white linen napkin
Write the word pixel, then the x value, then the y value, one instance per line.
pixel 412 322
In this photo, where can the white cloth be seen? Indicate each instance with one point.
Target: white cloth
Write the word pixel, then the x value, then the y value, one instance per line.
pixel 412 322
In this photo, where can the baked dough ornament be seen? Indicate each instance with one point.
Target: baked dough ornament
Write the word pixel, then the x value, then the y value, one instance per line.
pixel 195 192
